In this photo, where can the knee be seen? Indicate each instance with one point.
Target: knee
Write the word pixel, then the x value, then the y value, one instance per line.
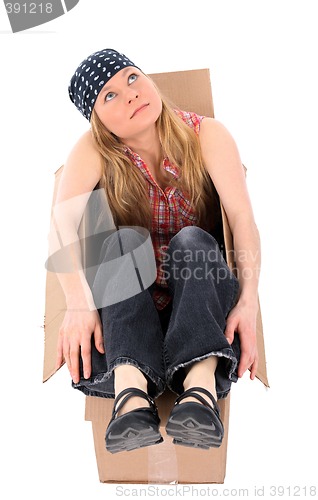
pixel 186 236
pixel 131 238
pixel 123 241
pixel 192 237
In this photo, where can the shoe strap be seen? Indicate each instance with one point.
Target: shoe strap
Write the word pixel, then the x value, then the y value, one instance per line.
pixel 131 392
pixel 190 393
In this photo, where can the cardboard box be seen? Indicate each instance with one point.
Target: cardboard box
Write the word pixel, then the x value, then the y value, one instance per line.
pixel 164 463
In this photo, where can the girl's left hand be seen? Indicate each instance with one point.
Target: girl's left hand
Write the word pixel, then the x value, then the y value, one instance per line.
pixel 242 320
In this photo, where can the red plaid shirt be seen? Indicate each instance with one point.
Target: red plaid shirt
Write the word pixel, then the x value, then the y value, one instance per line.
pixel 171 211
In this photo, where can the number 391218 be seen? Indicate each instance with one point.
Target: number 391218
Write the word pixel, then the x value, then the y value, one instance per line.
pixel 29 8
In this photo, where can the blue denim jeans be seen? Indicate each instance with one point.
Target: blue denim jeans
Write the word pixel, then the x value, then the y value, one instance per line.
pixel 190 328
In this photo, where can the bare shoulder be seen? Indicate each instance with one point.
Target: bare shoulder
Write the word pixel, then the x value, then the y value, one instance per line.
pixel 223 163
pixel 215 131
pixel 84 154
pixel 82 169
pixel 219 148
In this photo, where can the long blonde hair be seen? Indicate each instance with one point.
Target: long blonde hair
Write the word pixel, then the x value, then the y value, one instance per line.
pixel 126 187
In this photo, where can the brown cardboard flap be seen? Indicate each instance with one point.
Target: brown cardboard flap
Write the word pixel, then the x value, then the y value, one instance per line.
pixel 189 90
pixel 54 310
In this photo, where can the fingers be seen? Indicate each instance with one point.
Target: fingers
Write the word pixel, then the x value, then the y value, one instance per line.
pixel 248 360
pixel 86 357
pixel 71 355
pixel 231 325
pixel 245 363
pixel 240 322
pixel 99 339
pixel 63 352
pixel 59 358
pixel 70 350
pixel 74 342
pixel 74 362
pixel 254 369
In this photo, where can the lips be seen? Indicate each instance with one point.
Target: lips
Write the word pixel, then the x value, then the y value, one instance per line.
pixel 139 109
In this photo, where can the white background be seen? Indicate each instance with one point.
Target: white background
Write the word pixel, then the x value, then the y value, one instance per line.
pixel 262 56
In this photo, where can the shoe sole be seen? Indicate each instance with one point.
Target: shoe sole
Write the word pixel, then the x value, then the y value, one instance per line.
pixel 193 425
pixel 123 434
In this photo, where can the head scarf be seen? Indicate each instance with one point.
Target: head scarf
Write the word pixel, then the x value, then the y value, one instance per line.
pixel 91 76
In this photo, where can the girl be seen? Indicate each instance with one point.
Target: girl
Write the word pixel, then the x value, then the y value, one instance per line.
pixel 190 324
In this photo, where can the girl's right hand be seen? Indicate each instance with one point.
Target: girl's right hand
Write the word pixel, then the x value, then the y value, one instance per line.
pixel 75 341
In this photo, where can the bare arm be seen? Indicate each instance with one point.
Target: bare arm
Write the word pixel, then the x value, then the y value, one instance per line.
pixel 81 173
pixel 224 165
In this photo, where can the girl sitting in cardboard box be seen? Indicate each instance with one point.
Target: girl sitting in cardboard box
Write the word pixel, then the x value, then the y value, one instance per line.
pixel 163 308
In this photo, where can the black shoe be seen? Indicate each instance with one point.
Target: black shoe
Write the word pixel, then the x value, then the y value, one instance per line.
pixel 135 429
pixel 195 424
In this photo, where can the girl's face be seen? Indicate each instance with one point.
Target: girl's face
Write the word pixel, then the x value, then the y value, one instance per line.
pixel 128 104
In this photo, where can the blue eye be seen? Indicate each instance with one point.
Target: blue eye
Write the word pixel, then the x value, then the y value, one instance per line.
pixel 110 96
pixel 132 78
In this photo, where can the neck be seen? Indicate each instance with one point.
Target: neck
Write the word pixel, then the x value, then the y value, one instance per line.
pixel 147 146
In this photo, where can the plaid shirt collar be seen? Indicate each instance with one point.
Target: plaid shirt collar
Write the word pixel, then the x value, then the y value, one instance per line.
pixel 139 162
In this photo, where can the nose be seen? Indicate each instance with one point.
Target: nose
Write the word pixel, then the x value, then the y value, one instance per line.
pixel 132 95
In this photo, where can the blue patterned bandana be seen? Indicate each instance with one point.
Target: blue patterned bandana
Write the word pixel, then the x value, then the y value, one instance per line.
pixel 91 76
